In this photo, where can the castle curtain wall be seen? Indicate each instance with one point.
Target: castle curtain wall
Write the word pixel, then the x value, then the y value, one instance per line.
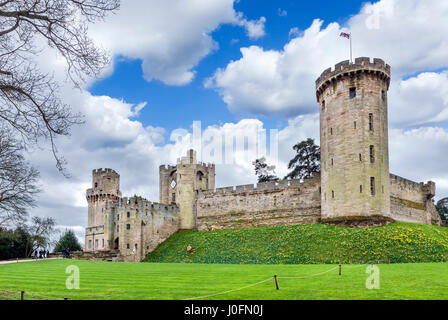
pixel 288 202
pixel 412 202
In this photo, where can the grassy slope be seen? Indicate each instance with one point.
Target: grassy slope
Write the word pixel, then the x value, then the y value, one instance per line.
pixel 318 243
pixel 114 280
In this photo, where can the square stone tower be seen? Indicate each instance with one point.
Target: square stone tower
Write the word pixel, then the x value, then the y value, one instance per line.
pixel 354 140
pixel 179 185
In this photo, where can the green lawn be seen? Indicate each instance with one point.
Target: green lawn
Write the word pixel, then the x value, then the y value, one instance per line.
pixel 303 244
pixel 116 280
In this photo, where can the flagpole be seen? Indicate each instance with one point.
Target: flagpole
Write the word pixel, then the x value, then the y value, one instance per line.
pixel 351 54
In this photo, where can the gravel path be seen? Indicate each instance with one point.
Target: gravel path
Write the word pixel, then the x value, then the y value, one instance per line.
pixel 27 260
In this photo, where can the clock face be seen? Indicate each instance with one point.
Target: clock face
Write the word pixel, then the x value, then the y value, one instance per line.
pixel 173 184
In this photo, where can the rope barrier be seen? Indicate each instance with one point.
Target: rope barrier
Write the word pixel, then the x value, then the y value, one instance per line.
pixel 310 276
pixel 224 292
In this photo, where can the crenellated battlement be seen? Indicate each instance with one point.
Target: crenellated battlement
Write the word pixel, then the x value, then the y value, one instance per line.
pixel 95 195
pixel 166 168
pixel 427 189
pixel 345 68
pixel 101 171
pixel 126 203
pixel 263 186
pixel 206 165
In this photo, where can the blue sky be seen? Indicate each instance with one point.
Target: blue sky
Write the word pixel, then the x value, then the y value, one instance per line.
pixel 173 107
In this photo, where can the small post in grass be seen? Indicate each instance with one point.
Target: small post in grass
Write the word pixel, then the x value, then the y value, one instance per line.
pixel 340 269
pixel 22 295
pixel 276 282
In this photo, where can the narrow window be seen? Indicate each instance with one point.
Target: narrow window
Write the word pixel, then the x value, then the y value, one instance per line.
pixel 129 214
pixel 360 189
pixel 118 228
pixel 127 246
pixel 118 217
pixel 136 246
pixel 103 243
pixel 174 197
pixel 323 105
pixel 96 184
pixel 372 186
pixel 352 93
pixel 371 121
pixel 332 194
pixel 331 131
pixel 372 154
pixel 360 157
pixel 383 95
pixel 354 124
pixel 96 243
pixel 128 227
pixel 332 161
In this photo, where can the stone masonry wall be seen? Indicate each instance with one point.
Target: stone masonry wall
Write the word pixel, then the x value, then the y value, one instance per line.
pixel 412 201
pixel 288 202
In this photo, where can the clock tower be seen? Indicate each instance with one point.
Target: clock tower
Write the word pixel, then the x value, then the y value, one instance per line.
pixel 179 185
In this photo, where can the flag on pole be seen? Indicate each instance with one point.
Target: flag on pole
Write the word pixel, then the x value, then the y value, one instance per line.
pixel 348 36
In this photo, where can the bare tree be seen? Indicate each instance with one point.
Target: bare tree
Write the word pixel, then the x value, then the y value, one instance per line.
pixel 29 101
pixel 18 181
pixel 40 230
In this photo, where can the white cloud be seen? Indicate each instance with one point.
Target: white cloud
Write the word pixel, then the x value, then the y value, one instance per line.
pixel 171 36
pixel 419 100
pixel 254 28
pixel 410 35
pixel 420 155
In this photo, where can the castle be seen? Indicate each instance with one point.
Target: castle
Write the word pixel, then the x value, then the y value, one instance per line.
pixel 354 186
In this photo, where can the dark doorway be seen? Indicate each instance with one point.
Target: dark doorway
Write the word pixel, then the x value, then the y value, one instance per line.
pixel 116 244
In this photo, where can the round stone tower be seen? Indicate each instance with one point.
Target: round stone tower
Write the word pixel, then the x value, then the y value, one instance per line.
pixel 354 140
pixel 105 186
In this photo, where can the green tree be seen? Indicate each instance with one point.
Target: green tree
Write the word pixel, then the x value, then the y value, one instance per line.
pixel 13 243
pixel 442 208
pixel 306 161
pixel 67 240
pixel 263 171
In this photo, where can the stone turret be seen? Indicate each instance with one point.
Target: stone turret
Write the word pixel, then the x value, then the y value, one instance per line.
pixel 354 140
pixel 105 187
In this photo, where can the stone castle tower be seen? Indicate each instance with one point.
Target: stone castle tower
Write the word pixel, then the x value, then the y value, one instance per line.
pixel 179 184
pixel 105 186
pixel 354 140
